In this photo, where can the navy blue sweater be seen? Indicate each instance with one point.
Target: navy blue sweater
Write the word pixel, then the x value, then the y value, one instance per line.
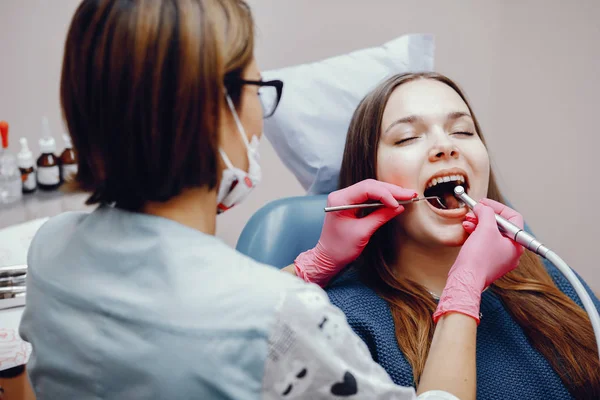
pixel 508 367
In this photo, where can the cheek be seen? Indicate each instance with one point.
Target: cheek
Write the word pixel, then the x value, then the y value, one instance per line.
pixel 258 128
pixel 482 159
pixel 251 114
pixel 394 166
pixel 480 164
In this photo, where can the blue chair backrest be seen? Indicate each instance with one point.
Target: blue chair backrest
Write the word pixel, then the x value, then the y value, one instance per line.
pixel 282 229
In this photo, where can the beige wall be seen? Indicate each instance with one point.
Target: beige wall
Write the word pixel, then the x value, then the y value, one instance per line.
pixel 530 68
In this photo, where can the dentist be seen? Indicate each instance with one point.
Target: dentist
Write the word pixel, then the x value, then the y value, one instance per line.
pixel 164 103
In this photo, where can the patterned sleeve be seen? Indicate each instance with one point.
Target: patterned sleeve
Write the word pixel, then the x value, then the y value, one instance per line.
pixel 314 354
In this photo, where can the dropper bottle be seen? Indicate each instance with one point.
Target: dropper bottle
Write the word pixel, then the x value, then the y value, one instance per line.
pixel 48 174
pixel 68 160
pixel 10 178
pixel 26 165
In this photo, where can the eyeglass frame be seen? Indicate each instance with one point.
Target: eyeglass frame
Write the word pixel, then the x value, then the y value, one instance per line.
pixel 276 83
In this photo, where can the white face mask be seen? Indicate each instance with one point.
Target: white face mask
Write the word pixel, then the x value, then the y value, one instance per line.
pixel 236 183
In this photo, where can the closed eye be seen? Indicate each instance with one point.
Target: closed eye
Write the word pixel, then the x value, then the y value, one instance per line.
pixel 463 133
pixel 407 140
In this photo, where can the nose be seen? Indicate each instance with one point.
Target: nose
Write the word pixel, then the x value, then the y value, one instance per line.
pixel 443 149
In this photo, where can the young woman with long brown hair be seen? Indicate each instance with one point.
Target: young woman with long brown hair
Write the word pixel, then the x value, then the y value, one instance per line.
pixel 534 340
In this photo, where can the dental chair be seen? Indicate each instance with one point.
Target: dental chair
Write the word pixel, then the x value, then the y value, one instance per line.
pixel 282 229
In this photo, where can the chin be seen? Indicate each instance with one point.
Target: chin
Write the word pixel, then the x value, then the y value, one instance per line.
pixel 451 236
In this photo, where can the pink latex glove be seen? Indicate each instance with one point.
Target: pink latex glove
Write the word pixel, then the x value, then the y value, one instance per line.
pixel 486 256
pixel 345 234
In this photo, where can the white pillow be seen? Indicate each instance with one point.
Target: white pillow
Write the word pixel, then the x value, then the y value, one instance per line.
pixel 308 130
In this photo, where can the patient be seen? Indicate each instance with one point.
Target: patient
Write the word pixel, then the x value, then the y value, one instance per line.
pixel 534 341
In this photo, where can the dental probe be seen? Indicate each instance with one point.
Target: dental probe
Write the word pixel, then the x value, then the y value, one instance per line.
pixel 372 205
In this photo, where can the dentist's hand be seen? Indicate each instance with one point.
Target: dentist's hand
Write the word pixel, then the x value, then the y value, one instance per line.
pixel 486 256
pixel 345 234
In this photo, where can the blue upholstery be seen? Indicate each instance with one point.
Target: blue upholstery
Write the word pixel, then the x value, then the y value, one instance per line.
pixel 282 229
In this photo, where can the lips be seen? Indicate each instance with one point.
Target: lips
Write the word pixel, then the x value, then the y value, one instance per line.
pixel 452 214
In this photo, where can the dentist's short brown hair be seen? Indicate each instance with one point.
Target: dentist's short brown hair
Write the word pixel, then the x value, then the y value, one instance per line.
pixel 141 93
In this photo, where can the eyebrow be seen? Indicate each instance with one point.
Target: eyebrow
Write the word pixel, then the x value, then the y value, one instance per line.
pixel 413 118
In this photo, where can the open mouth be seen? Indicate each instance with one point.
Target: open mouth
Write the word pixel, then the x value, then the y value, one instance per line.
pixel 443 187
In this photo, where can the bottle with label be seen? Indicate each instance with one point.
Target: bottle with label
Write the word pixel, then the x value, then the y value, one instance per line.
pixel 10 177
pixel 48 165
pixel 68 161
pixel 26 165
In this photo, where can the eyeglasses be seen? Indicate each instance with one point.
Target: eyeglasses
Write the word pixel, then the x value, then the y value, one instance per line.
pixel 269 92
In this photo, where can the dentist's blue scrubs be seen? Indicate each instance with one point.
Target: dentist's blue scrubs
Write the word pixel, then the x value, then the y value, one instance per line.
pixel 123 305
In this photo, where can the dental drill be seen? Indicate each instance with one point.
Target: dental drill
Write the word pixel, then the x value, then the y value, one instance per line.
pixel 526 240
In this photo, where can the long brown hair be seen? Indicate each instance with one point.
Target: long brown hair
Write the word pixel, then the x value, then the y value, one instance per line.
pixel 141 93
pixel 555 325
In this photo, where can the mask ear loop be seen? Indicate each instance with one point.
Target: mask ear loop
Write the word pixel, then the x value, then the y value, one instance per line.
pixel 224 156
pixel 226 160
pixel 236 118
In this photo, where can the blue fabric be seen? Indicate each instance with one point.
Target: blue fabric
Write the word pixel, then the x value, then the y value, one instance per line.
pixel 123 305
pixel 508 367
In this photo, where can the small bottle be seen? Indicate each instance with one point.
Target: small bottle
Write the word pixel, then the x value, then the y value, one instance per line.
pixel 10 177
pixel 26 165
pixel 68 161
pixel 48 173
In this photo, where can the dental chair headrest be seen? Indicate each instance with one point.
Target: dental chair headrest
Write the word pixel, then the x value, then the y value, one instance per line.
pixel 308 131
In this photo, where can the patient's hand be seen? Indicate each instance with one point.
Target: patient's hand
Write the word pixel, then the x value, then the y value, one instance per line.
pixel 345 234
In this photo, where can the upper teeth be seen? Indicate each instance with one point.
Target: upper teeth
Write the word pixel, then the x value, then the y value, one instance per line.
pixel 458 178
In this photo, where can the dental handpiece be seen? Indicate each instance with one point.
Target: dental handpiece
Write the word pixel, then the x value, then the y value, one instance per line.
pixel 529 242
pixel 507 228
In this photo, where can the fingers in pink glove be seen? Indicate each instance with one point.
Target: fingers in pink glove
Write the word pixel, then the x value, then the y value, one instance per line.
pixel 505 212
pixel 397 193
pixel 390 194
pixel 471 218
pixel 498 208
pixel 470 222
pixel 370 189
pixel 469 226
pixel 485 216
pixel 376 219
